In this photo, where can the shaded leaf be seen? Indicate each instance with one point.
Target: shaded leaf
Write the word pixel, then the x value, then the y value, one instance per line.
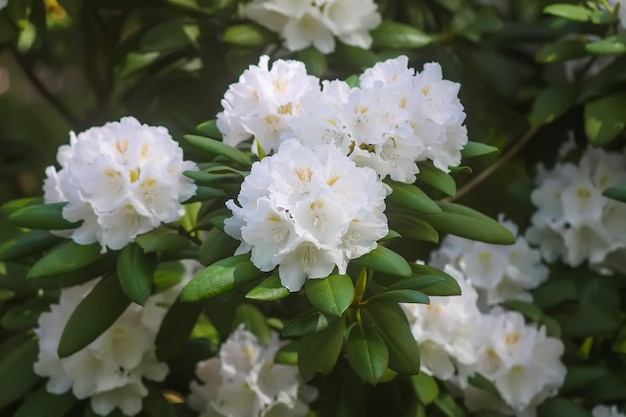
pixel 385 260
pixel 135 270
pixel 269 289
pixel 331 295
pixel 367 354
pixel 318 352
pixel 68 257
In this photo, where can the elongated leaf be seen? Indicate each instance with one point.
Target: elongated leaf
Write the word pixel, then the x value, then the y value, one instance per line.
pixel 411 197
pixel 613 45
pixel 249 34
pixel 221 277
pixel 553 102
pixel 176 328
pixel 476 149
pixel 616 193
pixel 437 179
pixel 14 205
pixel 207 178
pixel 569 11
pixel 484 384
pixel 215 147
pixel 529 310
pixel 210 129
pixel 561 51
pixel 425 388
pixel 94 315
pixel 162 239
pixel 331 295
pixel 367 354
pixel 254 321
pixel 269 290
pixel 448 406
pixel 433 281
pixel 306 323
pixel 398 35
pixel 204 193
pixel 605 118
pixel 390 322
pixel 27 244
pixel 68 257
pixel 315 61
pixel 465 222
pixel 43 403
pixel 402 296
pixel 135 270
pixel 412 227
pixel 318 352
pixel 216 245
pixel 560 407
pixel 385 260
pixel 42 216
pixel 16 371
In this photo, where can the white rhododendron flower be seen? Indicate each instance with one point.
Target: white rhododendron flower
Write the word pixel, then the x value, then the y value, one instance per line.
pixel 498 272
pixel 120 180
pixel 606 411
pixel 263 102
pixel 307 211
pixel 573 220
pixel 111 369
pixel 244 381
pixel 317 22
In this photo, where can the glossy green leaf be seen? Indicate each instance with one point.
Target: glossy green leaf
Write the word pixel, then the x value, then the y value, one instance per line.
pixel 42 216
pixel 398 35
pixel 135 270
pixel 162 239
pixel 215 147
pixel 249 34
pixel 332 295
pixel 412 197
pixel 402 296
pixel 433 281
pixel 385 260
pixel 16 371
pixel 12 206
pixel 425 388
pixel 476 149
pixel 390 322
pixel 254 321
pixel 208 178
pixel 221 277
pixel 310 322
pixel 210 129
pixel 168 274
pixel 561 51
pixel 30 243
pixel 617 193
pixel 605 118
pixel 43 403
pixel 553 102
pixel 176 327
pixel 560 407
pixel 437 179
pixel 93 315
pixel 367 353
pixel 318 352
pixel 468 223
pixel 68 257
pixel 569 11
pixel 413 228
pixel 613 45
pixel 216 245
pixel 315 61
pixel 269 289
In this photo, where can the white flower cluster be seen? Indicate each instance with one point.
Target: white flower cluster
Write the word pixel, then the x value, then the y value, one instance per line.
pixel 396 117
pixel 110 369
pixel 573 220
pixel 317 22
pixel 606 411
pixel 457 341
pixel 120 180
pixel 307 211
pixel 498 272
pixel 244 381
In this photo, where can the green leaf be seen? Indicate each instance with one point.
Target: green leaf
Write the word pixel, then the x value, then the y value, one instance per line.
pixel 210 129
pixel 433 281
pixel 68 257
pixel 103 266
pixel 249 34
pixel 605 118
pixel 425 388
pixel 355 57
pixel 585 320
pixel 270 289
pixel 413 227
pixel 12 206
pixel 16 371
pixel 613 45
pixel 167 275
pixel 176 327
pixel 254 321
pixel 560 407
pixel 569 11
pixel 204 193
pixel 476 149
pixel 555 291
pixel 216 245
pixel 288 354
pixel 529 310
pixel 448 406
pixel 331 295
pixel 367 354
pixel 437 179
pixel 411 197
pixel 468 223
pixel 318 352
pixel 215 147
pixel 310 322
pixel 402 296
pixel 43 403
pixel 135 270
pixel 561 51
pixel 390 322
pixel 553 102
pixel 208 178
pixel 398 35
pixel 42 216
pixel 385 260
pixel 617 193
pixel 24 315
pixel 221 277
pixel 162 239
pixel 30 243
pixel 579 377
pixel 484 384
pixel 315 61
pixel 155 404
pixel 172 35
pixel 93 316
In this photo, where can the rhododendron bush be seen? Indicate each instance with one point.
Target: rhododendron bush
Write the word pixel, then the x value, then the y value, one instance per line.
pixel 313 208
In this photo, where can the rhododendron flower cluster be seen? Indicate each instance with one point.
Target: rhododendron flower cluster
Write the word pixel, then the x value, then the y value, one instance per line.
pixel 244 381
pixel 317 22
pixel 120 180
pixel 111 369
pixel 396 118
pixel 498 272
pixel 574 221
pixel 307 211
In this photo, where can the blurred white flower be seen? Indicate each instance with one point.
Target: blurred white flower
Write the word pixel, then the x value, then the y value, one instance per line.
pixel 498 272
pixel 304 23
pixel 120 180
pixel 573 220
pixel 111 369
pixel 307 211
pixel 244 381
pixel 3 4
pixel 606 411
